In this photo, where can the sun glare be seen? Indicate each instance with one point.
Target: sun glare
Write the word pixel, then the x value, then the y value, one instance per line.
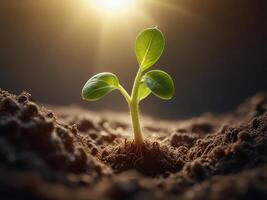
pixel 114 6
pixel 118 20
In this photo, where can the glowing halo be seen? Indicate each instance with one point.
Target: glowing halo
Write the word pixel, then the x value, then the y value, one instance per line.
pixel 114 6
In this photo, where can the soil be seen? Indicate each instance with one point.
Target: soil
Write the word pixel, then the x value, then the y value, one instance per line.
pixel 49 152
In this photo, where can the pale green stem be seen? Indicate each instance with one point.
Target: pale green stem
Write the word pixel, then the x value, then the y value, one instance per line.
pixel 134 109
pixel 125 94
pixel 133 104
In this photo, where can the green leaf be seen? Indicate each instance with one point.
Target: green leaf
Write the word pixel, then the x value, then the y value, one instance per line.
pixel 143 91
pixel 149 46
pixel 160 83
pixel 99 85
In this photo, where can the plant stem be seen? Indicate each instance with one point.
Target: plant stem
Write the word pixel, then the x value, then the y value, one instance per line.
pixel 134 109
pixel 125 94
pixel 133 104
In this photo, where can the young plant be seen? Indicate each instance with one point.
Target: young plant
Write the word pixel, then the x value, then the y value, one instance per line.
pixel 149 46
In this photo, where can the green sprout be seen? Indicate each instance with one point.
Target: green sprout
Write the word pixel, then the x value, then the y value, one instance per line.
pixel 149 46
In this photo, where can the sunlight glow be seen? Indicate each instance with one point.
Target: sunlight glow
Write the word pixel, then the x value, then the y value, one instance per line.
pixel 119 21
pixel 114 5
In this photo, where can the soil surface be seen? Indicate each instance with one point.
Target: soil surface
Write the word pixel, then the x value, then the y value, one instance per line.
pixel 51 152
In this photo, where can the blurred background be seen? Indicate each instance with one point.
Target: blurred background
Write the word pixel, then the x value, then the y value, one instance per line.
pixel 215 50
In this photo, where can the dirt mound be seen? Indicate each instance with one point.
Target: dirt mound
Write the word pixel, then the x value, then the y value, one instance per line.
pixel 32 138
pixel 247 185
pixel 72 152
pixel 151 158
pixel 230 150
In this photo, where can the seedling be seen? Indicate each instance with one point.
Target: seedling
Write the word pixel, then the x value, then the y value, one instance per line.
pixel 149 46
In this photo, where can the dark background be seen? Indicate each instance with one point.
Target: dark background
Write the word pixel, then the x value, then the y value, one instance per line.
pixel 215 51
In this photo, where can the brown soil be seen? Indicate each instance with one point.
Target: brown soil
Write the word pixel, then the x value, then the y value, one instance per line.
pixel 72 153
